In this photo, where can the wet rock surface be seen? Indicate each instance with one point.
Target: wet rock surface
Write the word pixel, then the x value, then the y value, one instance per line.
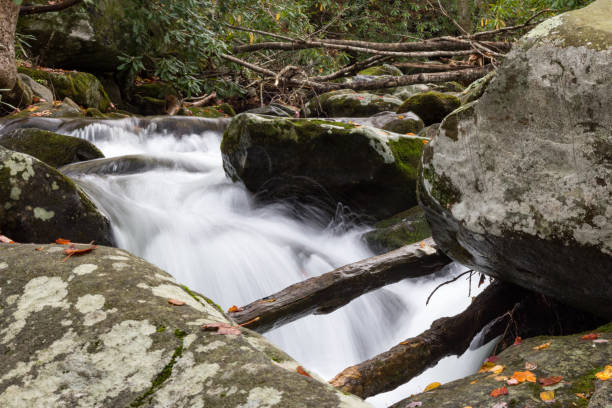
pixel 517 184
pixel 98 330
pixel 405 228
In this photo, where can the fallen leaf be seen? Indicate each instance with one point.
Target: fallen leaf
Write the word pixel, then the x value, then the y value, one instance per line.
pixel 512 381
pixel 400 116
pixel 222 328
pixel 582 395
pixel 497 369
pixel 234 309
pixel 176 302
pixel 522 376
pixel 530 366
pixel 250 321
pixel 517 341
pixel 414 404
pixel 62 241
pixel 499 391
pixel 486 367
pixel 39 249
pixel 606 374
pixel 590 336
pixel 501 378
pixel 425 141
pixel 6 240
pixel 601 341
pixel 547 396
pixel 432 386
pixel 473 382
pixel 481 280
pixel 542 346
pixel 73 250
pixel 550 380
pixel 301 370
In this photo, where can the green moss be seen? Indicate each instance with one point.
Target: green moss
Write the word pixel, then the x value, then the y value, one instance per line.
pixel 606 328
pixel 405 126
pixel 160 329
pixel 407 153
pixel 199 299
pixel 585 385
pixel 430 106
pixel 405 228
pixel 442 188
pixel 381 70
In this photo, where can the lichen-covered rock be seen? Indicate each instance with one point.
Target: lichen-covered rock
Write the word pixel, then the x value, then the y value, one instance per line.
pixel 38 90
pixel 370 170
pixel 345 103
pixel 52 148
pixel 98 331
pixel 276 109
pixel 431 106
pixel 476 88
pixel 570 357
pixel 405 228
pixel 405 123
pixel 83 88
pixel 39 204
pixel 518 183
pixel 381 70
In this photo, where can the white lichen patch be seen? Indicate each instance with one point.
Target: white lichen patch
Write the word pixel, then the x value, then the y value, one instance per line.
pixel 120 265
pixel 54 186
pixel 262 397
pixel 165 277
pixel 351 401
pixel 188 340
pixel 43 214
pixel 186 384
pixel 209 347
pixel 15 193
pixel 117 257
pixel 54 249
pixel 3 265
pixel 91 307
pixel 19 163
pixel 84 269
pixel 38 293
pixel 545 28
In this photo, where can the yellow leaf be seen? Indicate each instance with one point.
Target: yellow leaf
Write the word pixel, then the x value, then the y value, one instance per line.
pixel 486 367
pixel 482 22
pixel 501 378
pixel 606 374
pixel 522 376
pixel 542 346
pixel 277 16
pixel 321 7
pixel 350 25
pixel 547 396
pixel 425 141
pixel 497 369
pixel 251 38
pixel 473 382
pixel 239 19
pixel 400 116
pixel 432 386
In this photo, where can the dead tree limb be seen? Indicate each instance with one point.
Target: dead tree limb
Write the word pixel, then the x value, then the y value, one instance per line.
pixel 446 336
pixel 46 8
pixel 330 291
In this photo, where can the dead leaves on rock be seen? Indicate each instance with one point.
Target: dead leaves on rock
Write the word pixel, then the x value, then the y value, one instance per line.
pixel 176 302
pixel 222 328
pixel 303 372
pixel 499 391
pixel 546 382
pixel 543 346
pixel 432 386
pixel 73 250
pixel 234 309
pixel 606 374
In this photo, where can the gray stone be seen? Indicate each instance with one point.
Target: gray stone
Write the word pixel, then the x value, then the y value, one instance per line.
pixel 518 184
pixel 39 90
pixel 97 330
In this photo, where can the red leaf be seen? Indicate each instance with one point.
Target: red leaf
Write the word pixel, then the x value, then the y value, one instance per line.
pixel 73 250
pixel 234 309
pixel 590 336
pixel 222 328
pixel 550 380
pixel 517 341
pixel 301 370
pixel 499 391
pixel 62 241
pixel 176 302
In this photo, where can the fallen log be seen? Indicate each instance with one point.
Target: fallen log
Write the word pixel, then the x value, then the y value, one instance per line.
pixel 446 336
pixel 326 293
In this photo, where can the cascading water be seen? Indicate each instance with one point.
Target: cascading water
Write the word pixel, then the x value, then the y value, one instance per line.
pixel 192 221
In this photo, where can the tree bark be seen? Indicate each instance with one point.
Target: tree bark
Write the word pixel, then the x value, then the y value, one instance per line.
pixel 46 8
pixel 332 290
pixel 446 336
pixel 9 12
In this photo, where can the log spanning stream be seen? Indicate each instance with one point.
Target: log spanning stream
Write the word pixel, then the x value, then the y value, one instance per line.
pixel 174 206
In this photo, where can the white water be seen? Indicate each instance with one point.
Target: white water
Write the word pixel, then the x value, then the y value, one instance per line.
pixel 207 232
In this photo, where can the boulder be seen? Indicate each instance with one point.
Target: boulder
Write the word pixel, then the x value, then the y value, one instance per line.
pixel 151 98
pixel 39 204
pixel 405 123
pixel 52 148
pixel 405 228
pixel 38 90
pixel 276 109
pixel 345 103
pixel 431 106
pixel 518 183
pixel 217 111
pixel 83 88
pixel 570 357
pixel 64 109
pixel 370 170
pixel 381 70
pixel 98 330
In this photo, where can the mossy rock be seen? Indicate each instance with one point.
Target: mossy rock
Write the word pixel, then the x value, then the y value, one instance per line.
pixel 276 109
pixel 217 111
pixel 430 106
pixel 39 204
pixel 406 123
pixel 52 148
pixel 476 88
pixel 370 170
pixel 381 70
pixel 83 88
pixel 98 328
pixel 447 87
pixel 56 109
pixel 570 357
pixel 350 104
pixel 405 228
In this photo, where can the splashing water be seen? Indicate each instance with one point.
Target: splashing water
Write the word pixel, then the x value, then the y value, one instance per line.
pixel 210 235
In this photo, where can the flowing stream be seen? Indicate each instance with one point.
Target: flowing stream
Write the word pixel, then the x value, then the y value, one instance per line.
pixel 192 221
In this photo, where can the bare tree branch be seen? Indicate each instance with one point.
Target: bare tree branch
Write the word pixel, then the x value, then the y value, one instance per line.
pixel 46 8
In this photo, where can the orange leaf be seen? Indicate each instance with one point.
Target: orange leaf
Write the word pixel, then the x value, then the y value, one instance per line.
pixel 590 336
pixel 234 309
pixel 425 141
pixel 486 367
pixel 222 328
pixel 176 302
pixel 550 380
pixel 547 396
pixel 432 386
pixel 522 376
pixel 499 391
pixel 62 241
pixel 73 250
pixel 301 370
pixel 606 374
pixel 542 346
pixel 517 341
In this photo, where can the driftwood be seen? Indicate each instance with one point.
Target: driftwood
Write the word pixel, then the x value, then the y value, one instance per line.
pixel 446 336
pixel 328 292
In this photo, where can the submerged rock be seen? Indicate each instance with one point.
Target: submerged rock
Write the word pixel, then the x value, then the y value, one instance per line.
pixel 569 357
pixel 370 170
pixel 518 184
pixel 131 164
pixel 430 106
pixel 39 204
pixel 52 148
pixel 346 103
pixel 405 228
pixel 99 329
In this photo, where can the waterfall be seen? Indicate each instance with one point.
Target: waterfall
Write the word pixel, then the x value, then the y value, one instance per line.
pixel 192 221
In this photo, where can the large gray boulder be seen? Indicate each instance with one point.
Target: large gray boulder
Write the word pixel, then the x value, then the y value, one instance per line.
pixel 40 204
pixel 348 103
pixel 518 184
pixel 372 171
pixel 98 331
